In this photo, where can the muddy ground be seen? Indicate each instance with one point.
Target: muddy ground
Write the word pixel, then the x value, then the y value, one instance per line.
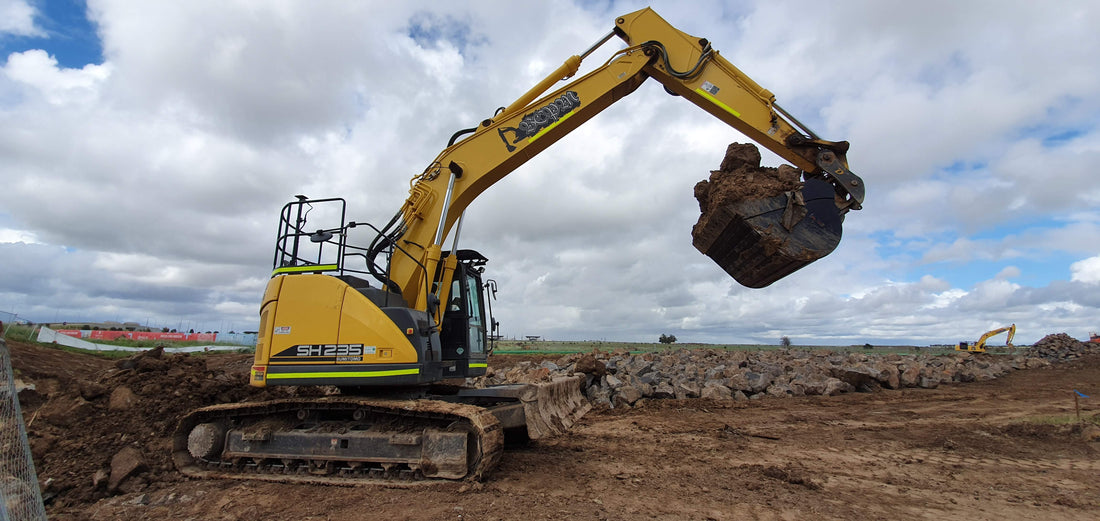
pixel 984 450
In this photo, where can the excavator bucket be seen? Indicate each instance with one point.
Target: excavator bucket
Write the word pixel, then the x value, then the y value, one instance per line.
pixel 761 240
pixel 554 407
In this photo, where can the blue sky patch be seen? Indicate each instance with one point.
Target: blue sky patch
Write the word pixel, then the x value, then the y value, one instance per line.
pixel 1034 272
pixel 962 166
pixel 428 30
pixel 1060 138
pixel 70 36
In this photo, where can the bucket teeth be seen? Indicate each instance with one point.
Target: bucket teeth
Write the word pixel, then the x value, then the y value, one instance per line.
pixel 555 407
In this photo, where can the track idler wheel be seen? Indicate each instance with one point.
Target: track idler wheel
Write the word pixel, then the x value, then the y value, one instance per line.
pixel 206 441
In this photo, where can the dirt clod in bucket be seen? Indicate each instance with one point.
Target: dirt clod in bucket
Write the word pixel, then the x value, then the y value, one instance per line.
pixel 760 224
pixel 741 177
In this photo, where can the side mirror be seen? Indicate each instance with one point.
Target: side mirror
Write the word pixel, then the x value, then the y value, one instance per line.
pixel 433 303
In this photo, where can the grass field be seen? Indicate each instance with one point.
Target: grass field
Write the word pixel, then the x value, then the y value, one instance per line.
pixel 550 347
pixel 505 347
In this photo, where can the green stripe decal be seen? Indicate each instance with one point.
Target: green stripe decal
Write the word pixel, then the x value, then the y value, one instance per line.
pixel 339 374
pixel 550 126
pixel 301 269
pixel 479 365
pixel 715 101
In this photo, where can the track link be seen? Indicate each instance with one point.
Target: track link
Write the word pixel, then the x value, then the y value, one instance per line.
pixel 340 440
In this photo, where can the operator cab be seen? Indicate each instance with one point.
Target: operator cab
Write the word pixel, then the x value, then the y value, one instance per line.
pixel 463 335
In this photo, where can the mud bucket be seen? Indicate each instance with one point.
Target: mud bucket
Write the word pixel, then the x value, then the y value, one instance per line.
pixel 759 241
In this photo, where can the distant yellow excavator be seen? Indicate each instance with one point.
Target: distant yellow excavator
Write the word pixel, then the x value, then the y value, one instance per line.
pixel 979 346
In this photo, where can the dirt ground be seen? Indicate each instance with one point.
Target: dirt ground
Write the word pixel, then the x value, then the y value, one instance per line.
pixel 973 450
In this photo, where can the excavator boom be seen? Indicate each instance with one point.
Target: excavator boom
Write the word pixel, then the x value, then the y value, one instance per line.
pixel 686 66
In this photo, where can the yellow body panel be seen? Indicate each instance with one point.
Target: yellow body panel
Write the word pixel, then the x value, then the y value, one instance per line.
pixel 364 323
pixel 267 312
pixel 310 310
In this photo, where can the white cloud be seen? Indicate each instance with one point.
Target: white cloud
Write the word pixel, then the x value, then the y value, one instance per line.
pixel 163 169
pixel 234 309
pixel 17 18
pixel 1009 272
pixel 945 299
pixel 58 86
pixel 8 235
pixel 1087 270
pixel 991 294
pixel 1052 178
pixel 139 268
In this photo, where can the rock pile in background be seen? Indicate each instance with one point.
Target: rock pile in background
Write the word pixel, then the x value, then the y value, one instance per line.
pixel 621 379
pixel 1062 347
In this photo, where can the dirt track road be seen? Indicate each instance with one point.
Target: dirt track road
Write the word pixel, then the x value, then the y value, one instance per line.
pixel 964 451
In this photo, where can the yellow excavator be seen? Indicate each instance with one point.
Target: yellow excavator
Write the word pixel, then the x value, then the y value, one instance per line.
pixel 392 321
pixel 979 346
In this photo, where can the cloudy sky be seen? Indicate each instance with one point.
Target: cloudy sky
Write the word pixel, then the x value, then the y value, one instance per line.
pixel 146 149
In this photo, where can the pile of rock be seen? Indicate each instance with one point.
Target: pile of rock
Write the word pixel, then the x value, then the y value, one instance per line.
pixel 621 379
pixel 1062 347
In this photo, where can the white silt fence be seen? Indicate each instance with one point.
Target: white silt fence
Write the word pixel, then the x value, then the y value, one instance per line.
pixel 48 335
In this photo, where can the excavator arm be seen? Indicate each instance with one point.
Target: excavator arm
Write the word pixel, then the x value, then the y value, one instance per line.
pixel 690 67
pixel 990 334
pixel 686 65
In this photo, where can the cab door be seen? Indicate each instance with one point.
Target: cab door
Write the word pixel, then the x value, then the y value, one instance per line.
pixel 464 335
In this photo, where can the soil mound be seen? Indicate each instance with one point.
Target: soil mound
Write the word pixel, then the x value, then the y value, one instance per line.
pixel 108 432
